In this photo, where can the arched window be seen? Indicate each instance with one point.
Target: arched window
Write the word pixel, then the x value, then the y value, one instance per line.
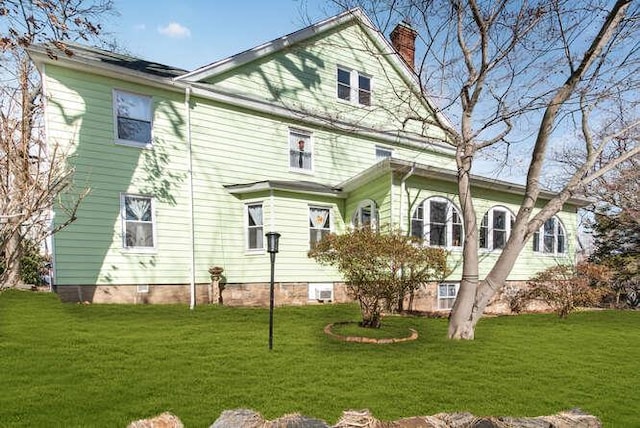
pixel 438 222
pixel 551 238
pixel 495 228
pixel 366 215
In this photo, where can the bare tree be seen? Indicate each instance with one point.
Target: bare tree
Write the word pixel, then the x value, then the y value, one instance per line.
pixel 35 175
pixel 522 71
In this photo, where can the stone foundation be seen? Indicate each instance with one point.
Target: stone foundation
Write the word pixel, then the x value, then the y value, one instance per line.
pixel 423 300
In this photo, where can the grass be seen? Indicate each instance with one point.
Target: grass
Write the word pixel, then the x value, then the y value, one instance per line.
pixel 106 365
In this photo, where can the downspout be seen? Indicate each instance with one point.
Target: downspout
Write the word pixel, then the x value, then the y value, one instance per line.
pixel 192 279
pixel 402 193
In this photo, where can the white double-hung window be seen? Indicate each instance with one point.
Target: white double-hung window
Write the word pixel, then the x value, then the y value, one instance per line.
pixel 255 227
pixel 138 222
pixel 319 224
pixel 300 151
pixel 132 118
pixel 353 86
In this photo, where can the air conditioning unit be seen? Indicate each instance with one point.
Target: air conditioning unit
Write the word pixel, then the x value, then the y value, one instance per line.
pixel 324 294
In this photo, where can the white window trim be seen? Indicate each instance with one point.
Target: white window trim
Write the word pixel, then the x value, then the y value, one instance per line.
pixel 441 299
pixel 489 214
pixel 382 148
pixel 311 150
pixel 251 251
pixel 426 220
pixel 114 107
pixel 331 221
pixel 374 213
pixel 354 86
pixel 123 225
pixel 559 225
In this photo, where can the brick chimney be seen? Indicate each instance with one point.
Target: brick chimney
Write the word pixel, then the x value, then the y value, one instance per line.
pixel 403 40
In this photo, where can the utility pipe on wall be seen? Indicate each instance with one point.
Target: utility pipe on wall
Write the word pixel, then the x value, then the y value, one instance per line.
pixel 192 279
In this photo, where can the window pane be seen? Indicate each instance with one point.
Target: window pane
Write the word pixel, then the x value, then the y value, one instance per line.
pixel 300 151
pixel 137 208
pixel 364 83
pixel 548 244
pixel 139 234
pixel 134 130
pixel 484 231
pixel 133 106
pixel 417 229
pixel 437 235
pixel 364 97
pixel 344 84
pixel 499 238
pixel 549 227
pixel 457 235
pixel 561 248
pixel 536 241
pixel 256 238
pixel 344 77
pixel 438 212
pixel 499 220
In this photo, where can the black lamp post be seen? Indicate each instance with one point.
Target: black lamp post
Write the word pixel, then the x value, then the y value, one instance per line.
pixel 272 249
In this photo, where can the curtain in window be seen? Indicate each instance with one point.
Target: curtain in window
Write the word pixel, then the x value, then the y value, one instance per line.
pixel 138 209
pixel 255 215
pixel 318 217
pixel 255 227
pixel 139 226
pixel 319 221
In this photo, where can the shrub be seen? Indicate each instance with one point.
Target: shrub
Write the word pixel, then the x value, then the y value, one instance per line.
pixel 380 269
pixel 32 264
pixel 566 287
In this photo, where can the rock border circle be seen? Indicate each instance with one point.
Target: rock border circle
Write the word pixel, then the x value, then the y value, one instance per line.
pixel 328 330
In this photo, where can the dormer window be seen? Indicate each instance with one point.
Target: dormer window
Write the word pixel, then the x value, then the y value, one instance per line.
pixel 354 87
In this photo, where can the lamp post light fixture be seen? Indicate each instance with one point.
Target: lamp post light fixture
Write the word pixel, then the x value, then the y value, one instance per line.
pixel 272 249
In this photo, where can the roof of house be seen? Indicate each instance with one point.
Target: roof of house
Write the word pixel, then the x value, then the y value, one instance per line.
pixel 388 165
pixel 95 55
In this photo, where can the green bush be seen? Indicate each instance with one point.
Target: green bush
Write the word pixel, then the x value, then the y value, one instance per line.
pixel 380 269
pixel 32 264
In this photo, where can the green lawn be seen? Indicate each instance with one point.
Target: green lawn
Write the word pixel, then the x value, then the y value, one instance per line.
pixel 93 365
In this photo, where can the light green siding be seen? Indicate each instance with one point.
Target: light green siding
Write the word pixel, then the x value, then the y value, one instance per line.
pixel 80 119
pixel 303 77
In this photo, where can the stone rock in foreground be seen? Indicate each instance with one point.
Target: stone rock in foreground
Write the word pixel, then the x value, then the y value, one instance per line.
pixel 249 419
pixel 245 418
pixel 164 420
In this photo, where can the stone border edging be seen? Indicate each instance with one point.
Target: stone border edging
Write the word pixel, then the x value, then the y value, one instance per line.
pixel 361 339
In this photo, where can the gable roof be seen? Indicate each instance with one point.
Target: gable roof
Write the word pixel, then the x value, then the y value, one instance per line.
pixel 242 58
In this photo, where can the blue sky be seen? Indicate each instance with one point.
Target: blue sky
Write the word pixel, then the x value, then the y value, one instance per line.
pixel 192 33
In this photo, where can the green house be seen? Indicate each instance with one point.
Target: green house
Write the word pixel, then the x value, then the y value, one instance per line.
pixel 304 135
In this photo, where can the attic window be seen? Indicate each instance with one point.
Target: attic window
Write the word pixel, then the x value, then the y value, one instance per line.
pixel 353 86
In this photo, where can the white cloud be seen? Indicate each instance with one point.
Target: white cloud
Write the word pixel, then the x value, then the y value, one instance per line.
pixel 175 30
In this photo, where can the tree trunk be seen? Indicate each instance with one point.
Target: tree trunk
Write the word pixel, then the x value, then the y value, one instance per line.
pixel 460 326
pixel 13 253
